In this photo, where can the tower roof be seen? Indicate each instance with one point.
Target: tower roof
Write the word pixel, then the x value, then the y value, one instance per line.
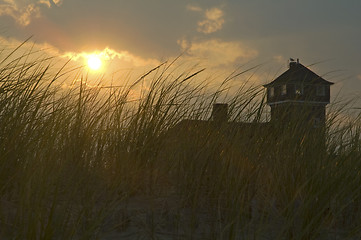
pixel 297 73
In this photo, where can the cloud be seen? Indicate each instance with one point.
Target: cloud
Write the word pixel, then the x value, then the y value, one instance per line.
pixel 22 11
pixel 36 50
pixel 118 59
pixel 194 8
pixel 57 2
pixel 117 65
pixel 110 54
pixel 213 19
pixel 218 53
pixel 45 2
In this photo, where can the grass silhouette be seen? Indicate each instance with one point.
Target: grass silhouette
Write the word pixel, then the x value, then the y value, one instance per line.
pixel 79 163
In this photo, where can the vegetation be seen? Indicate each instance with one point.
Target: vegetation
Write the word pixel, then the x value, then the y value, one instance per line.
pixel 91 163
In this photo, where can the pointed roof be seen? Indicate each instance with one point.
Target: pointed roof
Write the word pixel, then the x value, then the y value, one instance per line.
pixel 297 73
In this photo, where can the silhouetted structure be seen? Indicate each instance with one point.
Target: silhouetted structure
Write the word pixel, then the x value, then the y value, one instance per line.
pixel 298 100
pixel 220 112
pixel 298 92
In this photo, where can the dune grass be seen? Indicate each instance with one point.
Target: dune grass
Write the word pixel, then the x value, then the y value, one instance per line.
pixel 89 163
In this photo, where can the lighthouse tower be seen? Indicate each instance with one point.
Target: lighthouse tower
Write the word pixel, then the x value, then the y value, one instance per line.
pixel 298 94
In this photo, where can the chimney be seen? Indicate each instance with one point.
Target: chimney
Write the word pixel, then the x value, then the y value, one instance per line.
pixel 293 63
pixel 220 112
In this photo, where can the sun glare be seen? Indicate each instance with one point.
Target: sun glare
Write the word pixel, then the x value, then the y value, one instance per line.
pixel 94 62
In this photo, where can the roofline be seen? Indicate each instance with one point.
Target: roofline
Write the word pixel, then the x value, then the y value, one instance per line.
pixel 270 84
pixel 293 101
pixel 300 67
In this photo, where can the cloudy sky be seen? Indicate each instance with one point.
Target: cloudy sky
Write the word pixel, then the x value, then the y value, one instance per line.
pixel 221 35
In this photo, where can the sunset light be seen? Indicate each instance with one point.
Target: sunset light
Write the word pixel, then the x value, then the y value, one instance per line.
pixel 180 119
pixel 94 62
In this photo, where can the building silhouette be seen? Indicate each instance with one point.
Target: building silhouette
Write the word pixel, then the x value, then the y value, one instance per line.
pixel 298 92
pixel 297 98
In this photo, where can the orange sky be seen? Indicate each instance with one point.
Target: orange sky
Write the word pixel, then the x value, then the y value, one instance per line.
pixel 219 35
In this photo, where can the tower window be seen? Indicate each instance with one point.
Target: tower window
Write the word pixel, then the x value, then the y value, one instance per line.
pixel 298 89
pixel 271 92
pixel 284 89
pixel 320 91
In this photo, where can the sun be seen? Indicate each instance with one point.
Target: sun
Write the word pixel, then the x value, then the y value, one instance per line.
pixel 94 62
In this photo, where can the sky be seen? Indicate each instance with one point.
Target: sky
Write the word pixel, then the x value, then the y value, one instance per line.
pixel 219 35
